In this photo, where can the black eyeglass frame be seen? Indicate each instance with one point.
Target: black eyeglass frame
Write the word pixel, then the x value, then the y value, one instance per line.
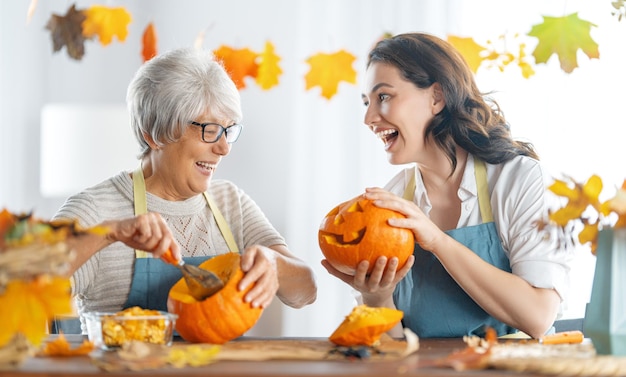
pixel 221 131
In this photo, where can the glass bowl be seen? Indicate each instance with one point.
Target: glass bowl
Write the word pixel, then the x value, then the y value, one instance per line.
pixel 112 330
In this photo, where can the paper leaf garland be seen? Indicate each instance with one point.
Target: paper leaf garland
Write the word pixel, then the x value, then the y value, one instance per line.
pixel 269 70
pixel 106 23
pixel 239 63
pixel 149 43
pixel 328 70
pixel 470 50
pixel 564 36
pixel 67 31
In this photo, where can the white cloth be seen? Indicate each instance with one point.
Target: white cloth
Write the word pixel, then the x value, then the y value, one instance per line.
pixel 103 282
pixel 519 197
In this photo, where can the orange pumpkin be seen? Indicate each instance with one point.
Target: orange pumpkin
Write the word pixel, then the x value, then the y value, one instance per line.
pixel 221 317
pixel 357 230
pixel 365 325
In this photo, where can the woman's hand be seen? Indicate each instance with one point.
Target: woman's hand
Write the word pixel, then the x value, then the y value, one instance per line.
pixel 376 287
pixel 147 232
pixel 259 265
pixel 427 234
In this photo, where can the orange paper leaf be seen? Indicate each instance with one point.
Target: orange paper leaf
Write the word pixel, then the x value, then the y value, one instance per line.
pixel 269 70
pixel 149 43
pixel 328 70
pixel 239 63
pixel 106 22
pixel 61 347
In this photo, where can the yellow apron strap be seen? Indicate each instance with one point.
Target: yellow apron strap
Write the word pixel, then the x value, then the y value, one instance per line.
pixel 409 190
pixel 482 188
pixel 222 224
pixel 141 207
pixel 140 201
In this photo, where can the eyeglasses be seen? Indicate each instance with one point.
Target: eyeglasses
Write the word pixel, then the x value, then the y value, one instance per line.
pixel 211 132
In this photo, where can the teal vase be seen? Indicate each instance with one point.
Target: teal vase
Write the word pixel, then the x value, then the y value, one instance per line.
pixel 605 315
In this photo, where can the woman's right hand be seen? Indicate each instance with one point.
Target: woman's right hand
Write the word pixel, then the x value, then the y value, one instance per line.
pixel 147 232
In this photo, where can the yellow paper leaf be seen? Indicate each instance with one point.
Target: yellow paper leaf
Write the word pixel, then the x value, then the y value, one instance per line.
pixel 33 304
pixel 470 50
pixel 239 63
pixel 106 22
pixel 269 70
pixel 328 70
pixel 564 36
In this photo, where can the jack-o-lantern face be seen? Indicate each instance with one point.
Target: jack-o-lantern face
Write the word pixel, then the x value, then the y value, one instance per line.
pixel 357 230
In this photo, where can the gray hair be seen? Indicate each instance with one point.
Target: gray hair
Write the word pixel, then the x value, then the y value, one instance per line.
pixel 176 87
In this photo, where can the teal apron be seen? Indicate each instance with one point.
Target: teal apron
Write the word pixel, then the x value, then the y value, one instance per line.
pixel 153 278
pixel 434 305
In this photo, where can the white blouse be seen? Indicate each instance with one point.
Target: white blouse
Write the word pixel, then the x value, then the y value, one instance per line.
pixel 519 197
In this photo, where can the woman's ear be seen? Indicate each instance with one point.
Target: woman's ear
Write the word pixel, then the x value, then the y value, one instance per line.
pixel 439 100
pixel 153 145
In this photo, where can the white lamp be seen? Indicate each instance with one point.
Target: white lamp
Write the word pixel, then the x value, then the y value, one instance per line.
pixel 82 145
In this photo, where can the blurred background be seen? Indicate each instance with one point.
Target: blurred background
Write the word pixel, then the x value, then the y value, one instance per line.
pixel 63 121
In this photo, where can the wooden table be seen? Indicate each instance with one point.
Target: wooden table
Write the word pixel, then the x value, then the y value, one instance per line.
pixel 416 364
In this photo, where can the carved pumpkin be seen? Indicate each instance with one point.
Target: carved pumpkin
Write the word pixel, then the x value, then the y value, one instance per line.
pixel 365 325
pixel 357 230
pixel 218 318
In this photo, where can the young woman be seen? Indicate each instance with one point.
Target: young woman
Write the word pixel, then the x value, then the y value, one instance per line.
pixel 471 200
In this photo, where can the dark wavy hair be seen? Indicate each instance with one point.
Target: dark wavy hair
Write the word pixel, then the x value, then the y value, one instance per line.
pixel 470 119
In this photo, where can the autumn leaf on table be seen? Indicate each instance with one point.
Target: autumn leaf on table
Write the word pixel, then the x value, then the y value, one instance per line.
pixel 564 36
pixel 269 70
pixel 149 43
pixel 470 50
pixel 106 22
pixel 33 303
pixel 328 70
pixel 239 63
pixel 61 347
pixel 67 31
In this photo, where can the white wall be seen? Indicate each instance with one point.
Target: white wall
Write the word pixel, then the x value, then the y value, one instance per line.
pixel 300 154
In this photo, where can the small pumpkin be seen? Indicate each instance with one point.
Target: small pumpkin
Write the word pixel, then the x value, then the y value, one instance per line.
pixel 365 325
pixel 218 318
pixel 357 230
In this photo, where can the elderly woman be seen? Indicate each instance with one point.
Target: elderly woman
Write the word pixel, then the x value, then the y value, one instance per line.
pixel 185 112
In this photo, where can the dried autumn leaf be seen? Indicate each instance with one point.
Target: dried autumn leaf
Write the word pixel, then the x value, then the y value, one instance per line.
pixel 470 50
pixel 328 70
pixel 149 43
pixel 61 347
pixel 564 36
pixel 192 355
pixel 239 63
pixel 33 304
pixel 67 31
pixel 269 70
pixel 106 22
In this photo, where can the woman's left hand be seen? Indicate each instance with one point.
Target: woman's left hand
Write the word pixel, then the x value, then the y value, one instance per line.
pixel 259 265
pixel 377 286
